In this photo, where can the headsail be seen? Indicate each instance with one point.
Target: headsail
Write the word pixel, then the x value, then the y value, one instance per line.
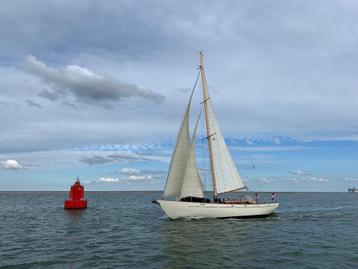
pixel 226 174
pixel 192 185
pixel 179 158
pixel 183 177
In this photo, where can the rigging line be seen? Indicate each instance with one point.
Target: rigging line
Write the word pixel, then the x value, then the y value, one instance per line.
pixel 250 159
pixel 196 81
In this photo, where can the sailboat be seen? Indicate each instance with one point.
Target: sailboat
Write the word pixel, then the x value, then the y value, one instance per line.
pixel 183 195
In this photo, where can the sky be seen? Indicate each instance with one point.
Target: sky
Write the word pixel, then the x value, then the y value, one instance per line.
pixel 98 90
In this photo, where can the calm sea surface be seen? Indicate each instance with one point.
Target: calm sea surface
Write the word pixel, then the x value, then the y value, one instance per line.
pixel 125 230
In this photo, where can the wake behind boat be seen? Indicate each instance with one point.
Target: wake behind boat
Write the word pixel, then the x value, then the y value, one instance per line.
pixel 183 195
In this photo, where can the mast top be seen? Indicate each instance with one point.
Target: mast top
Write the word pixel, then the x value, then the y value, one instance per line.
pixel 201 54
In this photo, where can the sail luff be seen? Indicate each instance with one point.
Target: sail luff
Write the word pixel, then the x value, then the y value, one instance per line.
pixel 205 101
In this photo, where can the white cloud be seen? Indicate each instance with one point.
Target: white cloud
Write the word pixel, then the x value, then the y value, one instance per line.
pixel 135 178
pixel 107 179
pixel 123 180
pixel 310 179
pixel 269 148
pixel 276 141
pixel 350 179
pixel 266 180
pixel 11 164
pixel 318 179
pixel 299 172
pixel 130 171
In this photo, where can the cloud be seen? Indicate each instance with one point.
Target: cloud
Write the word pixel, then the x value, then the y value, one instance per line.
pixel 11 164
pixel 310 179
pixel 318 92
pixel 317 179
pixel 130 171
pixel 93 160
pixel 33 103
pixel 107 179
pixel 299 172
pixel 8 104
pixel 184 90
pixel 136 178
pixel 116 157
pixel 304 176
pixel 350 179
pixel 128 175
pixel 122 180
pixel 85 85
pixel 269 148
pixel 128 156
pixel 276 141
pixel 50 95
pixel 266 180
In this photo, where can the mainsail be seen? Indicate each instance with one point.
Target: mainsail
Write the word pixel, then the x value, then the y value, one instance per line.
pixel 226 174
pixel 183 178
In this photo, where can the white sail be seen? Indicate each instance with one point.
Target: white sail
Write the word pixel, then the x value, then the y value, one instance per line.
pixel 226 174
pixel 192 185
pixel 179 159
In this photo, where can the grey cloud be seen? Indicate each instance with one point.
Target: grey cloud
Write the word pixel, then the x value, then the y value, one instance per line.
pixel 115 157
pixel 33 103
pixel 280 66
pixel 84 85
pixel 184 90
pixel 129 157
pixel 8 104
pixel 50 95
pixel 69 104
pixel 93 160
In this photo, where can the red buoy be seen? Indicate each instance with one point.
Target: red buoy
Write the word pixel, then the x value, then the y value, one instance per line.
pixel 77 197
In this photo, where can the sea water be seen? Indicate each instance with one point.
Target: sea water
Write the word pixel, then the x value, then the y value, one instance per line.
pixel 125 230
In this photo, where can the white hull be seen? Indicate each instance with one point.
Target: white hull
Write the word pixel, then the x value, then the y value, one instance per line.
pixel 177 210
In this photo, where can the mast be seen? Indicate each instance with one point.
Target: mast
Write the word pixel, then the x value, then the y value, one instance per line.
pixel 205 100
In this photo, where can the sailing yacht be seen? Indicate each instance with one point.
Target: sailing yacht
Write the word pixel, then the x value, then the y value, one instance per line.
pixel 183 195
